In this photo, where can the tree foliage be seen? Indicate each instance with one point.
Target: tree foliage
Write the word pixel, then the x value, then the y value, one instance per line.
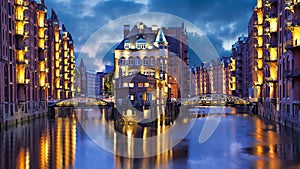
pixel 108 83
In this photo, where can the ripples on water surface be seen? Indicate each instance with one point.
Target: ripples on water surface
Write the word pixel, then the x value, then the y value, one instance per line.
pixel 240 141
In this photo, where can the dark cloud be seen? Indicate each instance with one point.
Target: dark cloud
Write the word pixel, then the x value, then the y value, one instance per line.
pixel 213 17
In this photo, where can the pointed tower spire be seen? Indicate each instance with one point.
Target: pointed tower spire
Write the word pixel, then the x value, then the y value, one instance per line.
pixel 53 15
pixel 160 38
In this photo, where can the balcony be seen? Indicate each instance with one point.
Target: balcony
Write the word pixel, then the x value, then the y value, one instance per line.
pixel 269 60
pixel 271 80
pixel 258 46
pixel 23 82
pixel 291 74
pixel 23 62
pixel 45 70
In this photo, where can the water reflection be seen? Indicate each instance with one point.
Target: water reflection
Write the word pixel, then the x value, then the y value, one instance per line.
pixel 240 141
pixel 44 143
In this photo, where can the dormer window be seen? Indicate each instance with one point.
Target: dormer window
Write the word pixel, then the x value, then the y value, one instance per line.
pixel 126 44
pixel 140 44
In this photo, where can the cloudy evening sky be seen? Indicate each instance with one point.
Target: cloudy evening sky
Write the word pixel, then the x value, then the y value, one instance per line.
pixel 221 20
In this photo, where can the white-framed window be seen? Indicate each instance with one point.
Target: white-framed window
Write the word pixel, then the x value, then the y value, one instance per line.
pixel 137 61
pixel 126 44
pixel 140 45
pixel 146 61
pixel 131 61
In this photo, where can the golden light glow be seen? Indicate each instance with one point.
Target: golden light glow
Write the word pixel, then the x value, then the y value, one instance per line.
pixel 56 36
pixel 259 17
pixel 260 63
pixel 296 36
pixel 41 18
pixel 259 53
pixel 41 33
pixel 259 30
pixel 259 77
pixel 259 41
pixel 44 148
pixel 233 64
pixel 58 145
pixel 65 45
pixel 19 28
pixel 42 79
pixel 19 2
pixel 42 43
pixel 273 24
pixel 259 4
pixel 273 53
pixel 273 72
pixel 19 13
pixel 20 74
pixel 20 55
pixel 57 82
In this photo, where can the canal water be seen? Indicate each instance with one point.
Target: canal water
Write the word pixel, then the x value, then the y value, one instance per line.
pixel 239 141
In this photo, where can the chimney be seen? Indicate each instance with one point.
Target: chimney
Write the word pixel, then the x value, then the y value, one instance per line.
pixel 126 30
pixel 154 29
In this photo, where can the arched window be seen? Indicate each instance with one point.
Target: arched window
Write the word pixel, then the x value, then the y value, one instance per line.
pixel 122 61
pixel 146 61
pixel 131 61
pixel 137 61
pixel 152 61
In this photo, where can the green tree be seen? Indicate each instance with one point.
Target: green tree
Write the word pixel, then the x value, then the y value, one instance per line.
pixel 108 83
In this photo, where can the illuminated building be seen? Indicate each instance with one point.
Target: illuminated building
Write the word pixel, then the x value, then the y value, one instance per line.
pixel 211 77
pixel 288 63
pixel 274 50
pixel 61 60
pixel 142 63
pixel 262 56
pixel 25 61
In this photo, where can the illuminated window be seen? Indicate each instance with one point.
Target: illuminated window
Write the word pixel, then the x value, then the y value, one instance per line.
pixel 146 61
pixel 125 84
pixel 141 43
pixel 140 84
pixel 131 97
pixel 131 61
pixel 137 61
pixel 131 84
pixel 126 44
